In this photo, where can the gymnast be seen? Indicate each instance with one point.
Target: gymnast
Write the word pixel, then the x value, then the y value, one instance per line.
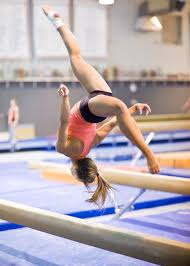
pixel 77 132
pixel 13 120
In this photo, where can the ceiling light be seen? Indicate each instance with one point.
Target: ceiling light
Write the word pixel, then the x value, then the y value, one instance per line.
pixel 106 2
pixel 148 24
pixel 156 22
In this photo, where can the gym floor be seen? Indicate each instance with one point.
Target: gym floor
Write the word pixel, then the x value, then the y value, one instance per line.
pixel 24 246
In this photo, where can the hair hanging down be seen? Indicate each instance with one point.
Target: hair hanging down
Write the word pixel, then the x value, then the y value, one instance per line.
pixel 87 172
pixel 101 192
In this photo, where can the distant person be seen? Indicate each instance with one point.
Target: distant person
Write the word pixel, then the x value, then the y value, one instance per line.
pixel 78 132
pixel 186 106
pixel 1 118
pixel 13 119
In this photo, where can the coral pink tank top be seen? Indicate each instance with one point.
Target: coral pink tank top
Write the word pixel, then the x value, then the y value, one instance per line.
pixel 82 130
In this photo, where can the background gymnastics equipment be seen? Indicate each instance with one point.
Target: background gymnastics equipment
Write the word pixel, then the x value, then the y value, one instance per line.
pixel 141 180
pixel 162 117
pixel 120 211
pixel 174 159
pixel 144 180
pixel 134 244
pixel 165 183
pixel 159 126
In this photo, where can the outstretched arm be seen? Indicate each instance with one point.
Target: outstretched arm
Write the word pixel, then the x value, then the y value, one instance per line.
pixel 62 135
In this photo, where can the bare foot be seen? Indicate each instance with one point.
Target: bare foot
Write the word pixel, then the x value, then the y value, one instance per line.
pixel 63 90
pixel 153 165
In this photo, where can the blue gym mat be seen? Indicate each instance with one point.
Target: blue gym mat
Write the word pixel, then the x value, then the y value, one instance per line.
pixel 174 225
pixel 161 142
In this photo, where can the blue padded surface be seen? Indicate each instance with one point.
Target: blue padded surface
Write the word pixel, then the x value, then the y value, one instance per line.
pixel 174 225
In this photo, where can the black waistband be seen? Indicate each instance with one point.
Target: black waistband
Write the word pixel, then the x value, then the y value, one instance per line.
pixel 96 92
pixel 85 111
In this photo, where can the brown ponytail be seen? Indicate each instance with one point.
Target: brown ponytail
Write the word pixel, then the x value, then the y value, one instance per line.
pixel 101 192
pixel 87 172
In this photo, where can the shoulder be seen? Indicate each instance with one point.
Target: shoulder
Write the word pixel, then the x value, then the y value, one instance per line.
pixel 72 148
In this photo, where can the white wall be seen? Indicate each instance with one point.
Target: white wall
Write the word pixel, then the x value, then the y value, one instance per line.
pixel 132 50
pixel 128 49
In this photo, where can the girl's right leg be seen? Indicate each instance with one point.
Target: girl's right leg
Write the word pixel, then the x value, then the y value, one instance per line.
pixel 89 78
pixel 102 105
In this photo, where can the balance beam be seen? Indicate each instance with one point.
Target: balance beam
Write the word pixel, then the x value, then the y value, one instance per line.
pixel 162 117
pixel 64 175
pixel 130 178
pixel 144 180
pixel 174 159
pixel 130 243
pixel 160 126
